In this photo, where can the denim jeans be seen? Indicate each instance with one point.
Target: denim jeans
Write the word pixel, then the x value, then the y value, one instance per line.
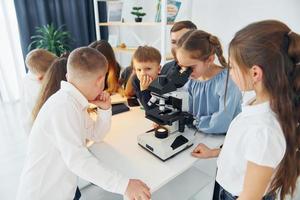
pixel 224 195
pixel 77 194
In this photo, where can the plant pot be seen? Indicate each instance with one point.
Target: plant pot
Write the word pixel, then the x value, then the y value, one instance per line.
pixel 138 19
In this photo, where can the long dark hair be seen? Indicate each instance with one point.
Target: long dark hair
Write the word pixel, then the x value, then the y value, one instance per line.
pixel 113 73
pixel 51 82
pixel 271 45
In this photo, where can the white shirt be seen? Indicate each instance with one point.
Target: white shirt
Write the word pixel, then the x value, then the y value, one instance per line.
pixel 30 92
pixel 57 153
pixel 247 96
pixel 254 135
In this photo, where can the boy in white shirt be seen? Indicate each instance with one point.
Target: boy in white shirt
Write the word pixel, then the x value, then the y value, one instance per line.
pixel 37 61
pixel 57 153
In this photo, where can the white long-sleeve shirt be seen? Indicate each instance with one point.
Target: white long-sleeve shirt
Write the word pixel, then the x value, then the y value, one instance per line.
pixel 29 96
pixel 57 153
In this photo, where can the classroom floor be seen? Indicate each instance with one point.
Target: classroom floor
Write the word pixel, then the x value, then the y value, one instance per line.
pixel 12 155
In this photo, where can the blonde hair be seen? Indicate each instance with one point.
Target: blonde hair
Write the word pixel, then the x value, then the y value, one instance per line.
pixel 51 83
pixel 85 61
pixel 147 54
pixel 39 60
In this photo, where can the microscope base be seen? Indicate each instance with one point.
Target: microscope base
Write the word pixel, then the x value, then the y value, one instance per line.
pixel 166 148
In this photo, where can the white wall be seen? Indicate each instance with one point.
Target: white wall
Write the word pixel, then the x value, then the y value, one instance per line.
pixel 220 17
pixel 148 34
pixel 224 18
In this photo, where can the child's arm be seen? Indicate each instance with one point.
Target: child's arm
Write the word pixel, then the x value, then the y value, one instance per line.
pixel 264 150
pixel 144 95
pixel 202 151
pixel 219 122
pixel 68 138
pixel 67 133
pixel 256 181
pixel 103 123
pixel 101 126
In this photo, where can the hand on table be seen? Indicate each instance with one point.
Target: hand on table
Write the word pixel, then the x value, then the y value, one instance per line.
pixel 137 190
pixel 202 151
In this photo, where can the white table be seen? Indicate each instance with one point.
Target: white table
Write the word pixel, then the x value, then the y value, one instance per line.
pixel 120 151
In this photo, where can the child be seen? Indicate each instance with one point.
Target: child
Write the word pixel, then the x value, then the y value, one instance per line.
pixel 260 155
pixel 126 77
pixel 112 77
pixel 208 102
pixel 146 65
pixel 56 151
pixel 177 30
pixel 37 61
pixel 51 83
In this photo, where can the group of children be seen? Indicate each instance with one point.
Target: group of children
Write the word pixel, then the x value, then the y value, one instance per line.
pixel 260 156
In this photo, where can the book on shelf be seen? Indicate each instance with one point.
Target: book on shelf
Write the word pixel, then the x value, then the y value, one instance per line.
pixel 114 11
pixel 173 7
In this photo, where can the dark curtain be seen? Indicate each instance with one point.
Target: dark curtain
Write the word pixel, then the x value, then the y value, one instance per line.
pixel 103 18
pixel 77 15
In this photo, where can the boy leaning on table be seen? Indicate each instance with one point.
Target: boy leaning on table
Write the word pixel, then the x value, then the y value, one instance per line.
pixel 57 154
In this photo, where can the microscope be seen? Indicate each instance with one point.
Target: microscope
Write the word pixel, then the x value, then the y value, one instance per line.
pixel 170 114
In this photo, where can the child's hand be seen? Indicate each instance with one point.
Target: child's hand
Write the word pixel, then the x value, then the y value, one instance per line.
pixel 155 125
pixel 145 82
pixel 136 189
pixel 103 101
pixel 202 151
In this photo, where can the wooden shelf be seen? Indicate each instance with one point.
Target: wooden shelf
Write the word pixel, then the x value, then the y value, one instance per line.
pixel 131 24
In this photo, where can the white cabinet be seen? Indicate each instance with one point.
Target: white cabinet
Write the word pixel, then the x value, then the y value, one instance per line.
pixel 130 26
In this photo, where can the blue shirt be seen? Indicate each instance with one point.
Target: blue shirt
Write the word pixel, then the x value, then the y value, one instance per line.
pixel 206 103
pixel 143 96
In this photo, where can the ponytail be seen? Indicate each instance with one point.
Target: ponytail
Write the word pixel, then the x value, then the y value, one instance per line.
pixel 214 41
pixel 202 45
pixel 294 54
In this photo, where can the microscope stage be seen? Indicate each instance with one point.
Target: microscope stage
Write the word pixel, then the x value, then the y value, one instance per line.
pixel 164 148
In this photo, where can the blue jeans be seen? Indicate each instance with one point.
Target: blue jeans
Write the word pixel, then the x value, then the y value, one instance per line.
pixel 224 195
pixel 77 194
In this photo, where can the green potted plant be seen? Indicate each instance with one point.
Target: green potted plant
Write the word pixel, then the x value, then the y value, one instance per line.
pixel 137 11
pixel 54 40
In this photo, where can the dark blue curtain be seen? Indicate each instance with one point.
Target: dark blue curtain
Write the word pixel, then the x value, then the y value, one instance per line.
pixel 103 18
pixel 77 15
